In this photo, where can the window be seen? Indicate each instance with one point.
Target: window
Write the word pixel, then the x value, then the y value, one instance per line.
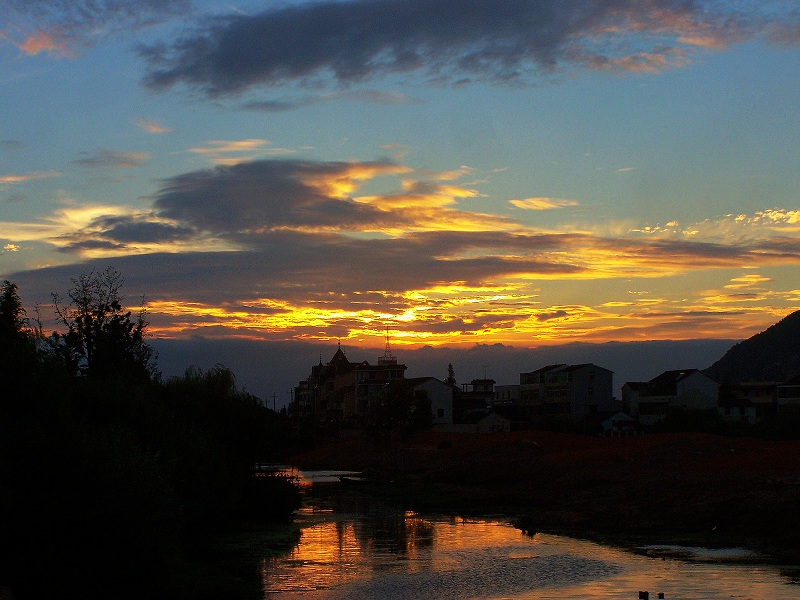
pixel 440 412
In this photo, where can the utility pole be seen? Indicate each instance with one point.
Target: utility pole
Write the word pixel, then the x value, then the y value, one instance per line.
pixel 274 396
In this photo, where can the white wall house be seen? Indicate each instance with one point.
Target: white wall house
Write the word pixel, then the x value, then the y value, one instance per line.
pixel 683 388
pixel 440 395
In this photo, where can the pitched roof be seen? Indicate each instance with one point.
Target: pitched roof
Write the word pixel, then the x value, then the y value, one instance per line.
pixel 666 384
pixel 583 366
pixel 673 376
pixel 566 368
pixel 547 369
pixel 338 364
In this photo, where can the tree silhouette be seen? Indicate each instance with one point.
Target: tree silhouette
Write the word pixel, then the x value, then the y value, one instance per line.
pixel 13 318
pixel 451 375
pixel 105 476
pixel 18 358
pixel 102 339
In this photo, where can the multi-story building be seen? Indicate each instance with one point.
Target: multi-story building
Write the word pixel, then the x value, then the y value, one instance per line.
pixel 566 391
pixel 789 392
pixel 472 402
pixel 748 401
pixel 650 401
pixel 339 392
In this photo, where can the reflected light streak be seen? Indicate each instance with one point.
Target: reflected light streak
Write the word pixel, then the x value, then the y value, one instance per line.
pixel 370 551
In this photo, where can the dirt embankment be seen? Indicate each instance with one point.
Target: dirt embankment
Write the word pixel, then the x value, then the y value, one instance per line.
pixel 692 487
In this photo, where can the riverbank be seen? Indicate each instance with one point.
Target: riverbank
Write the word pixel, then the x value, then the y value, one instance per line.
pixel 663 488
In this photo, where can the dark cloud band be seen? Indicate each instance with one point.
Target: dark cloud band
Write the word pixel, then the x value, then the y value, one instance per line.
pixel 448 41
pixel 266 194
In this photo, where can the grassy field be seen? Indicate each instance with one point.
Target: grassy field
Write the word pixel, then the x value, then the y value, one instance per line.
pixel 682 487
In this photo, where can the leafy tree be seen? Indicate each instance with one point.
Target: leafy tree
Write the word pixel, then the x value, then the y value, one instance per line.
pixel 102 339
pixel 421 413
pixel 398 410
pixel 217 434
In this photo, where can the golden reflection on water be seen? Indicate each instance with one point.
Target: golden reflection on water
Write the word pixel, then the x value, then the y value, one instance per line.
pixel 352 548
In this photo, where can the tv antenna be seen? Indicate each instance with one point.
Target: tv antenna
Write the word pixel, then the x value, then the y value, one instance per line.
pixel 387 358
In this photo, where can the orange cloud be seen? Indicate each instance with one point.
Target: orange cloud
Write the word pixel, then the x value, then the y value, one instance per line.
pixel 41 41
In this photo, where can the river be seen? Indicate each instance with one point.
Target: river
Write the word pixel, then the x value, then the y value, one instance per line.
pixel 354 546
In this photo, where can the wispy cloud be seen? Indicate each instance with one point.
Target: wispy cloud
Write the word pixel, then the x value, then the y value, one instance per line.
pixel 661 59
pixel 231 152
pixel 106 158
pixel 370 96
pixel 543 203
pixel 748 281
pixel 14 179
pixel 761 224
pixel 61 29
pixel 153 127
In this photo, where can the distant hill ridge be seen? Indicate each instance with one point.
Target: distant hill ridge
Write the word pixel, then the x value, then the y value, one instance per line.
pixel 772 355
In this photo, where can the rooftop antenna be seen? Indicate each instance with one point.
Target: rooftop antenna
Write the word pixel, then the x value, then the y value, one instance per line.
pixel 388 358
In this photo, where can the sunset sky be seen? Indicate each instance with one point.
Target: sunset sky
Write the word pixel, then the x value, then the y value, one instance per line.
pixel 504 171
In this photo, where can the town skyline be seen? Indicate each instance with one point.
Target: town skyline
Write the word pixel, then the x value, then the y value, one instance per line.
pixel 530 176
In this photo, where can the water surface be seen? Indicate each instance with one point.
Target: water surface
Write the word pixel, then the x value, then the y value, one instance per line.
pixel 353 546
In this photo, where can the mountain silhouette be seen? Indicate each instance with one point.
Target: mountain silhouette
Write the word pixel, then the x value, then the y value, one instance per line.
pixel 772 355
